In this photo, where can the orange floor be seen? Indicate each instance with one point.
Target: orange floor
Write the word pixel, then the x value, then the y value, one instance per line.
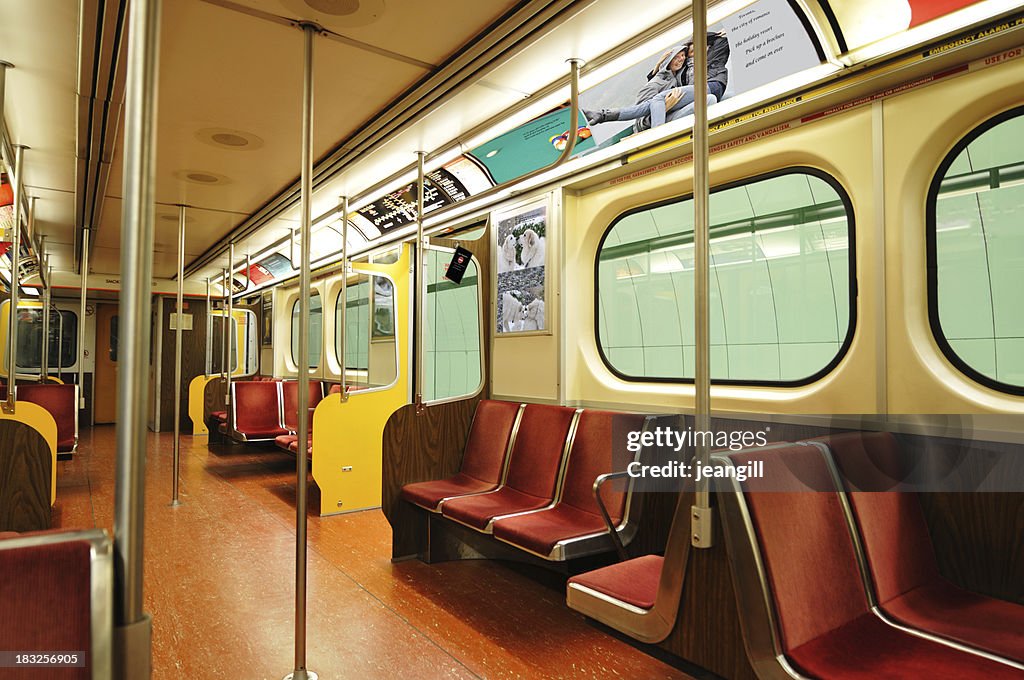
pixel 220 570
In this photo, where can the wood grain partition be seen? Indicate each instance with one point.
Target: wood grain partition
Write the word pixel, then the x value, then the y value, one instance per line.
pixel 193 359
pixel 418 448
pixel 26 471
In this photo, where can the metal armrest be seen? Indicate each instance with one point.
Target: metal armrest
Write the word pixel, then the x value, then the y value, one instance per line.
pixel 612 529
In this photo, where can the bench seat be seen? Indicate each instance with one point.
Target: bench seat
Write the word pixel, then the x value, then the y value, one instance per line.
pixel 478 511
pixel 634 582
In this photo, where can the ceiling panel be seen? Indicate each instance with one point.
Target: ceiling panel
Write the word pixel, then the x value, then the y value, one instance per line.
pixel 398 25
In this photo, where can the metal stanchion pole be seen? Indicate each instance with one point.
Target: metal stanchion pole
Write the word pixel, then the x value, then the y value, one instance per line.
pixel 230 334
pixel 176 475
pixel 300 672
pixel 701 524
pixel 12 306
pixel 133 632
pixel 209 330
pixel 344 299
pixel 420 298
pixel 83 290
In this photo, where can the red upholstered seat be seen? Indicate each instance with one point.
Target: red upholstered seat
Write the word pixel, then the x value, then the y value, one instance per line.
pixel 45 591
pixel 532 470
pixel 60 401
pixel 430 494
pixel 290 402
pixel 901 557
pixel 288 442
pixel 255 409
pixel 482 460
pixel 634 582
pixel 576 513
pixel 222 416
pixel 867 648
pixel 826 626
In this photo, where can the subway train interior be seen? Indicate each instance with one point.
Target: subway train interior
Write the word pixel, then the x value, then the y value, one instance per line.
pixel 511 339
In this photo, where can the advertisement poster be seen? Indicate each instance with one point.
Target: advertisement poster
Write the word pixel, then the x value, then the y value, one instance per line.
pixel 521 269
pixel 383 309
pixel 267 317
pixel 760 44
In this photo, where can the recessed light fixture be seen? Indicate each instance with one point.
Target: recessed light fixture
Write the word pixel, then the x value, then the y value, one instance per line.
pixel 336 14
pixel 201 177
pixel 335 7
pixel 227 138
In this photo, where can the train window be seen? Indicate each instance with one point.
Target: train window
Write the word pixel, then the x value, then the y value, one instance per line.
pixel 370 347
pixel 315 330
pixel 452 346
pixel 63 346
pixel 247 343
pixel 976 253
pixel 782 287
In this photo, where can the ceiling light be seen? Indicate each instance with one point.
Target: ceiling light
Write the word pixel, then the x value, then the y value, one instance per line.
pixel 230 139
pixel 201 177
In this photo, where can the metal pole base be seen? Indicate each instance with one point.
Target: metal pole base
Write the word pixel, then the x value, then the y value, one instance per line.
pixel 175 503
pixel 301 675
pixel 133 650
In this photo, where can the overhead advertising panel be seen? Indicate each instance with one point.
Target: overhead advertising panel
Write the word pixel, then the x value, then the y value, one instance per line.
pixel 756 46
pixel 452 183
pixel 760 44
pixel 863 22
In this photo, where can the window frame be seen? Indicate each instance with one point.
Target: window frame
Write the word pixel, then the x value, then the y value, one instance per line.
pixel 932 255
pixel 851 329
pixel 481 334
pixel 64 314
pixel 293 339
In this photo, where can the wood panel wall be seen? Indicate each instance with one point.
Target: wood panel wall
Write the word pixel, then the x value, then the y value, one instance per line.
pixel 193 358
pixel 26 471
pixel 418 448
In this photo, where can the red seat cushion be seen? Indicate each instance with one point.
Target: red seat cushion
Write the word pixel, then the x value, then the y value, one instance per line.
pixel 255 407
pixel 634 581
pixel 828 630
pixel 942 608
pixel 222 416
pixel 290 401
pixel 285 441
pixel 868 648
pixel 532 469
pixel 482 460
pixel 45 591
pixel 539 532
pixel 59 400
pixel 478 511
pixel 902 559
pixel 430 494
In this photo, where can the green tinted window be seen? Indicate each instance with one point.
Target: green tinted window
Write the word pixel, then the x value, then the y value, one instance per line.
pixel 452 331
pixel 315 330
pixel 976 254
pixel 780 284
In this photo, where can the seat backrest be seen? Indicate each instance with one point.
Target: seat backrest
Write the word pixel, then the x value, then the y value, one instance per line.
pixel 895 535
pixel 592 455
pixel 56 589
pixel 804 541
pixel 59 400
pixel 255 406
pixel 487 443
pixel 537 452
pixel 290 400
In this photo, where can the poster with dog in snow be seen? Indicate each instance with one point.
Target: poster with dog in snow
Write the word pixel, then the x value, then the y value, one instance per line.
pixel 521 267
